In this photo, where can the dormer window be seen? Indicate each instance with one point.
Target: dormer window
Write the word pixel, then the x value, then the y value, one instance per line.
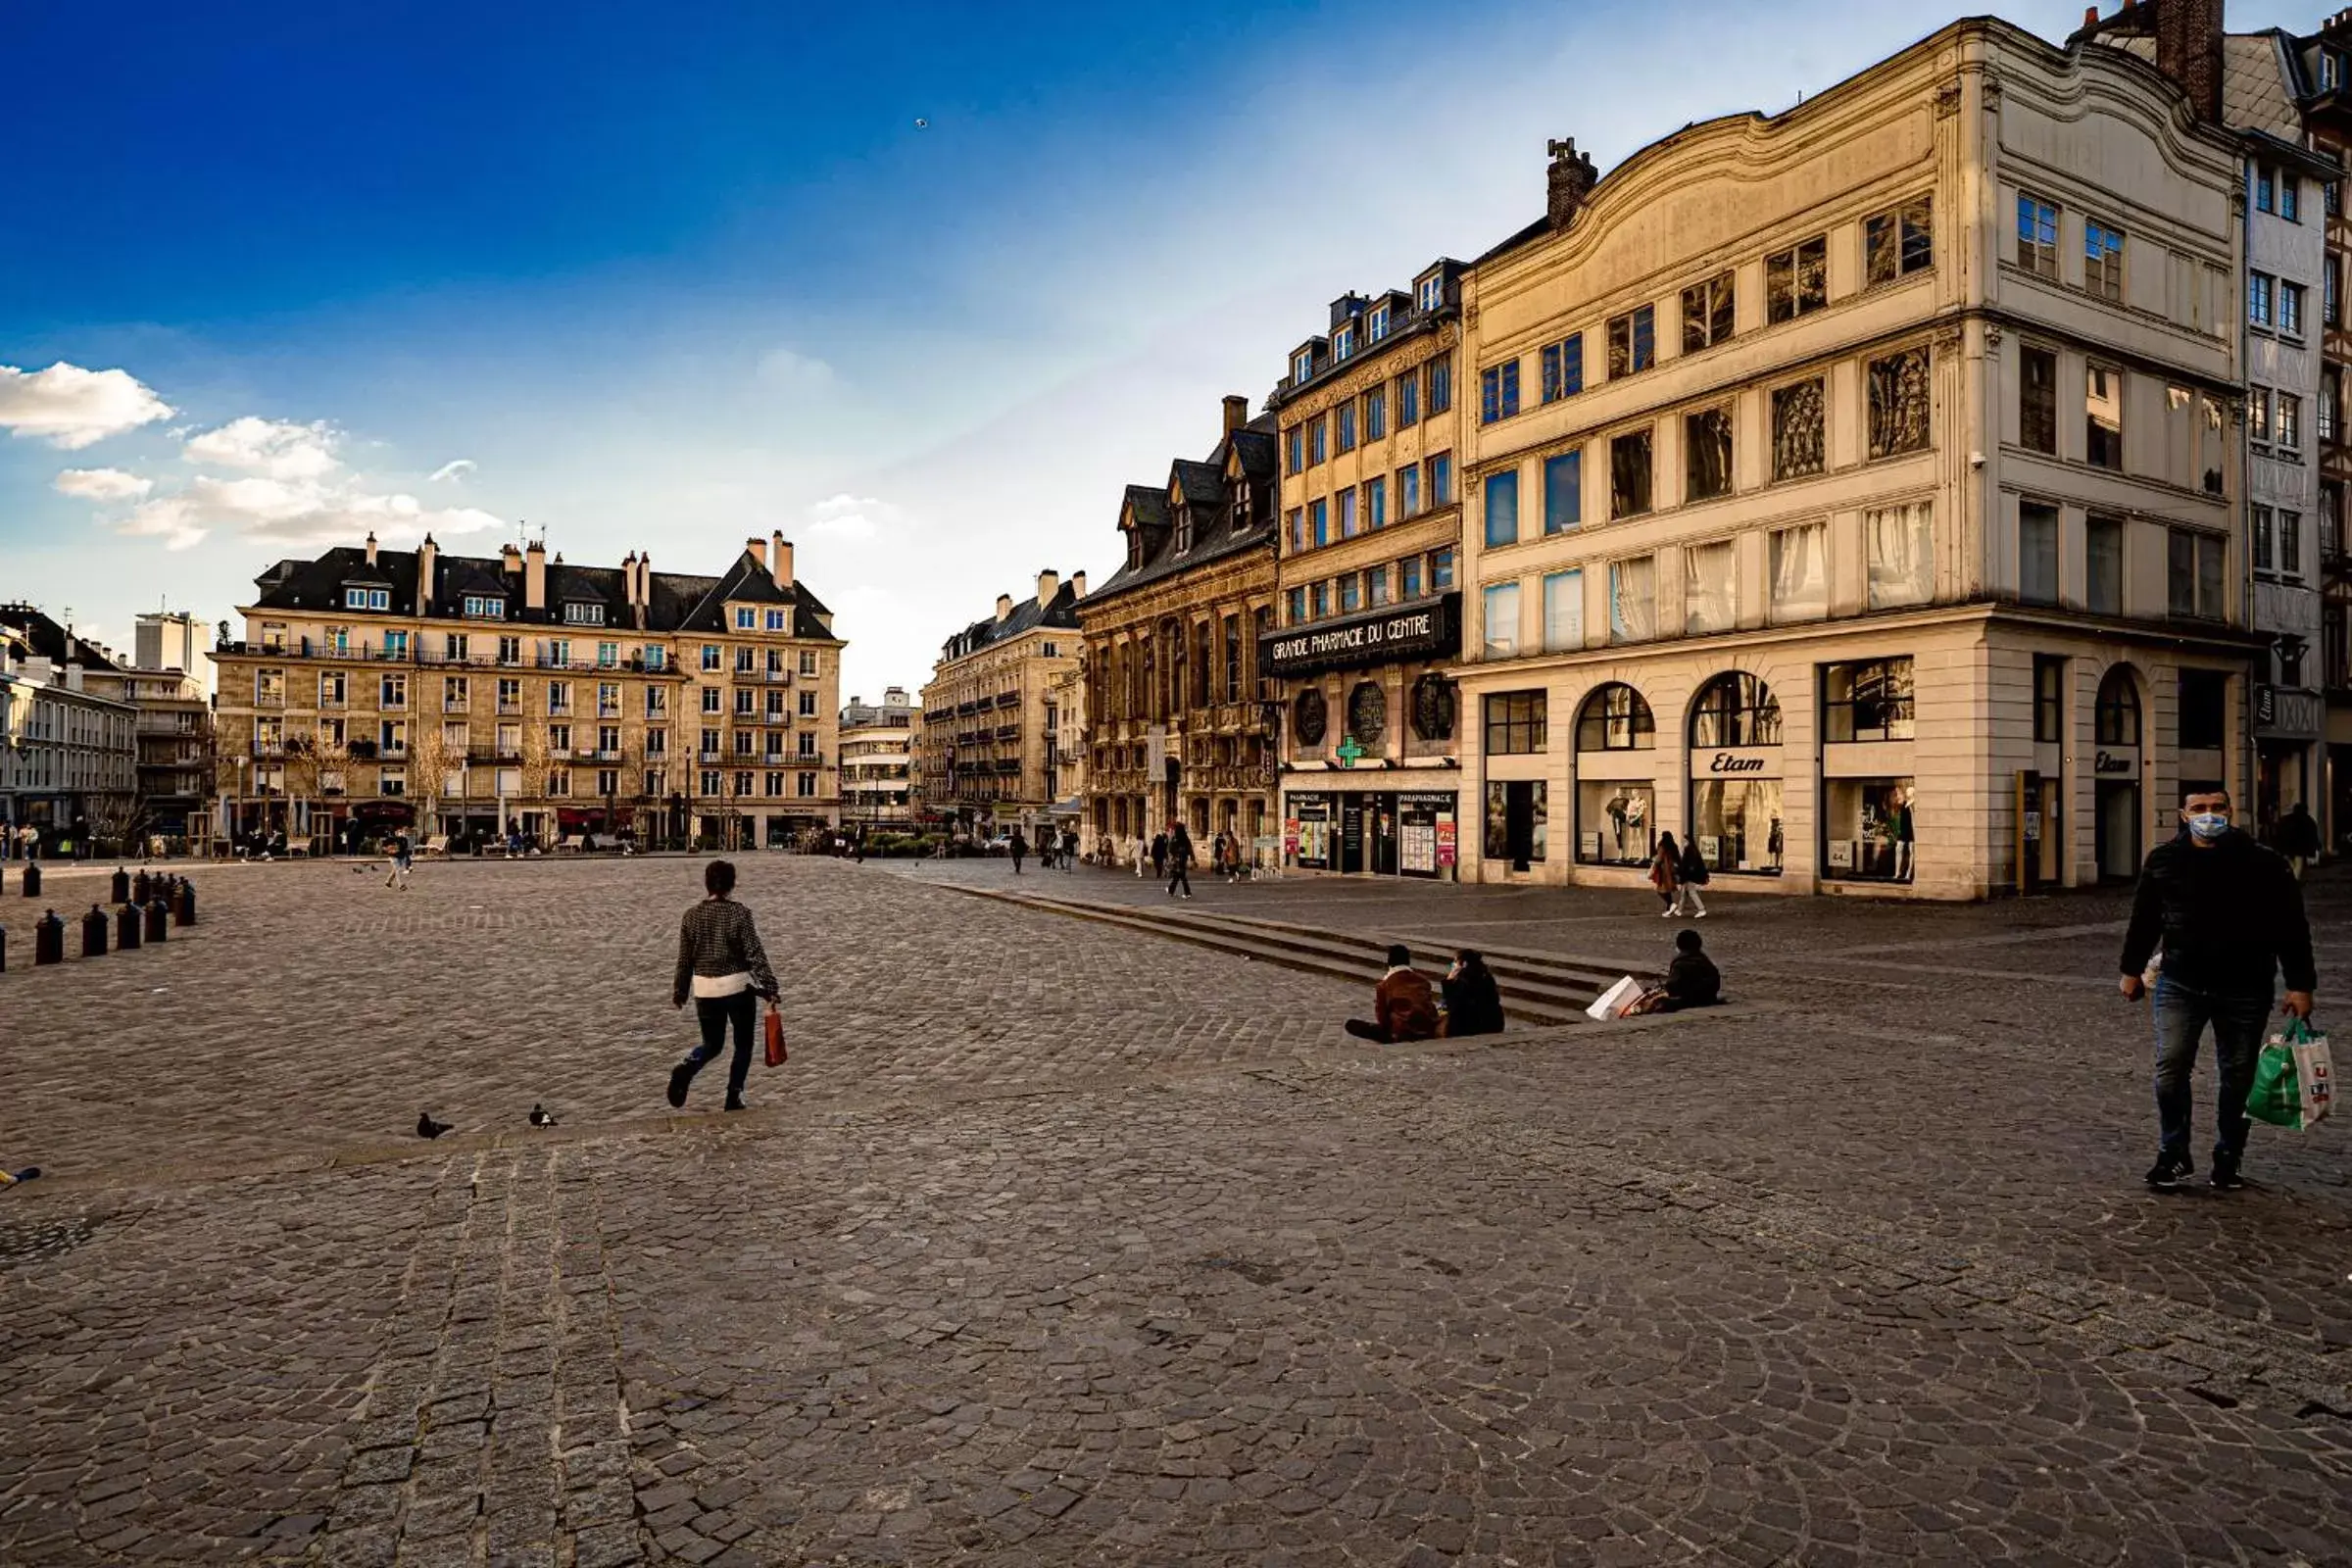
pixel 579 614
pixel 775 620
pixel 1343 343
pixel 1376 327
pixel 1432 293
pixel 481 606
pixel 1302 367
pixel 367 598
pixel 746 618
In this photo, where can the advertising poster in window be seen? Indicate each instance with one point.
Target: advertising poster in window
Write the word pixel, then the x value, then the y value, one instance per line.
pixel 1418 819
pixel 1314 832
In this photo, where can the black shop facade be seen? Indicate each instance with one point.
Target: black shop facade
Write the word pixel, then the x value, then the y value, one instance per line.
pixel 1371 771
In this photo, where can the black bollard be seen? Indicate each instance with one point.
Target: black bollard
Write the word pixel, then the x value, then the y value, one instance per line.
pixel 32 879
pixel 49 939
pixel 126 927
pixel 3 950
pixel 121 887
pixel 93 933
pixel 183 908
pixel 158 921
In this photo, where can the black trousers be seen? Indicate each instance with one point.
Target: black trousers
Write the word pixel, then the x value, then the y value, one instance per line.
pixel 1180 872
pixel 714 1014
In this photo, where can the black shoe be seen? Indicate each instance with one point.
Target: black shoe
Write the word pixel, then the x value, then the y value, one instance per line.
pixel 2224 1175
pixel 2169 1171
pixel 679 1077
pixel 736 1104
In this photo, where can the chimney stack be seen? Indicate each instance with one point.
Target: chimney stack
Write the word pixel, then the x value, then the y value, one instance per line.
pixel 1573 176
pixel 757 548
pixel 534 574
pixel 371 547
pixel 2189 49
pixel 645 580
pixel 510 559
pixel 1078 584
pixel 1049 583
pixel 1003 607
pixel 1237 412
pixel 779 559
pixel 427 555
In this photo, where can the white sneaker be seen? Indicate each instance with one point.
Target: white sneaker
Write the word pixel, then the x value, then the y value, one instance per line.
pixel 1701 915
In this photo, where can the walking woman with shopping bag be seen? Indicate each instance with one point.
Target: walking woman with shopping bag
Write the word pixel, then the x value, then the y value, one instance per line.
pixel 1666 875
pixel 722 966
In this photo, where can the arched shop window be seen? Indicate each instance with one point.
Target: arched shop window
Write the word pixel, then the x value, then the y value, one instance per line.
pixel 1615 718
pixel 1616 785
pixel 2116 716
pixel 1734 755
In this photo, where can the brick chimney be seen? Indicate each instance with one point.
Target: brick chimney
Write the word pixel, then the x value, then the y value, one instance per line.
pixel 534 574
pixel 757 548
pixel 1237 412
pixel 1573 176
pixel 645 580
pixel 1078 584
pixel 429 555
pixel 2189 49
pixel 371 547
pixel 779 559
pixel 1049 583
pixel 1003 607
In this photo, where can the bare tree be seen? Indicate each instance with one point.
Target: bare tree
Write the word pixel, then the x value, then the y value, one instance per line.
pixel 433 761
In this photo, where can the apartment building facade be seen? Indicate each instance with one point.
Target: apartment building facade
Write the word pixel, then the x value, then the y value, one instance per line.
pixel 877 760
pixel 1181 715
pixel 1889 543
pixel 69 753
pixel 992 729
pixel 1368 423
pixel 468 696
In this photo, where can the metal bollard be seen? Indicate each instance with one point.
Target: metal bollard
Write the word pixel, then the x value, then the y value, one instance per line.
pixel 93 933
pixel 183 909
pixel 143 889
pixel 159 921
pixel 121 887
pixel 32 879
pixel 3 950
pixel 49 939
pixel 126 927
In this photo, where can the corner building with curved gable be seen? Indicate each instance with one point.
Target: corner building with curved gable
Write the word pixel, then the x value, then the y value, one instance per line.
pixel 1857 490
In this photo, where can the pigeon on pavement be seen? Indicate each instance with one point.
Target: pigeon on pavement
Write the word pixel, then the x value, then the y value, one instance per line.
pixel 426 1127
pixel 541 1116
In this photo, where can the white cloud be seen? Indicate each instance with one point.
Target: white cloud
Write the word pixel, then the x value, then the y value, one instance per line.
pixel 848 517
pixel 453 472
pixel 277 448
pixel 71 407
pixel 282 512
pixel 790 371
pixel 102 484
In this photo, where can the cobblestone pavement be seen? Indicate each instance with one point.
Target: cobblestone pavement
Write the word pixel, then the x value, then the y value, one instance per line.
pixel 1057 1246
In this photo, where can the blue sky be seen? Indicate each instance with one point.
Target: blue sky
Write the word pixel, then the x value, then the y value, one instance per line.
pixel 659 277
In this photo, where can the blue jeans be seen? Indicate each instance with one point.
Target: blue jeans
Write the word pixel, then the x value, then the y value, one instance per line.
pixel 714 1014
pixel 2181 1015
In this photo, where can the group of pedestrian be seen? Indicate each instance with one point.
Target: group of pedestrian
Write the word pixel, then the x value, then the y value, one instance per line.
pixel 1405 1006
pixel 1053 848
pixel 1677 873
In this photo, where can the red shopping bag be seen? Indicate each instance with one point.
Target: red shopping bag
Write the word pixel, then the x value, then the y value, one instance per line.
pixel 776 1056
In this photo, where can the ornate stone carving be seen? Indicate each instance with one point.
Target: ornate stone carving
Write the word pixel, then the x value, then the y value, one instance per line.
pixel 1368 712
pixel 1309 719
pixel 1435 705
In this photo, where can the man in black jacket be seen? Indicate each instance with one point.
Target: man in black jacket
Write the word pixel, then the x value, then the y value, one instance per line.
pixel 2229 915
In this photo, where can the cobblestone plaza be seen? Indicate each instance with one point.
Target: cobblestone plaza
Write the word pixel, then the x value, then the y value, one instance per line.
pixel 1057 1245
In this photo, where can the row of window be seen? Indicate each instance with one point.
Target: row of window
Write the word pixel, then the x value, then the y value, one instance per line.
pixel 1897 393
pixel 2274 304
pixel 1365 417
pixel 2103 248
pixel 1895 244
pixel 1364 509
pixel 1168 669
pixel 2193 441
pixel 1864 700
pixel 1391 582
pixel 1378 321
pixel 457 647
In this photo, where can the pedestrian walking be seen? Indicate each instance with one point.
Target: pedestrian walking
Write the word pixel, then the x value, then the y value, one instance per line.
pixel 1180 861
pixel 724 969
pixel 403 856
pixel 1019 848
pixel 1069 848
pixel 2230 913
pixel 1160 855
pixel 2297 838
pixel 1666 874
pixel 1143 857
pixel 1691 874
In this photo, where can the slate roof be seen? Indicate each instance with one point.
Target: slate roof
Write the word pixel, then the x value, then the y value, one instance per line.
pixel 44 638
pixel 1147 510
pixel 1061 613
pixel 679 601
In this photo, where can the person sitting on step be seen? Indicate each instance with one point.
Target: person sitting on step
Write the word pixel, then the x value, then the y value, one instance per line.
pixel 1403 1007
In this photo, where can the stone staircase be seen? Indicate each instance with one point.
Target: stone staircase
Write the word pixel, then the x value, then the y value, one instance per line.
pixel 1539 989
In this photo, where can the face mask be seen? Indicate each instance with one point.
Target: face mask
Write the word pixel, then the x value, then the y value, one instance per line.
pixel 2208 825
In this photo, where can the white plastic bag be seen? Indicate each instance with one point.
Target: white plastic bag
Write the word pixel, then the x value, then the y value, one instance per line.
pixel 1613 1001
pixel 2314 1075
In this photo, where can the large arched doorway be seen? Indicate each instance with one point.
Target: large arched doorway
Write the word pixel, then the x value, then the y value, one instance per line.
pixel 2119 739
pixel 1616 778
pixel 1735 775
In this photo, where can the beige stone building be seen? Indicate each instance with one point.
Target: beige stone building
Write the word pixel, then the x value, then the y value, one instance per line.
pixel 994 717
pixel 69 749
pixel 1868 509
pixel 877 760
pixel 1181 709
pixel 1369 425
pixel 464 696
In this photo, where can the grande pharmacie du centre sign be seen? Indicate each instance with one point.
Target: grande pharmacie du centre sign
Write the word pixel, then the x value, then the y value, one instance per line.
pixel 1433 630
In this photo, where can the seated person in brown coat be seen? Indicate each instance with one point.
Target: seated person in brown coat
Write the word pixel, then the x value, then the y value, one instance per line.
pixel 1402 1005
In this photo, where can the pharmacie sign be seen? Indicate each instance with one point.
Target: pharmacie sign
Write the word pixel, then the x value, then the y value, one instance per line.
pixel 1431 630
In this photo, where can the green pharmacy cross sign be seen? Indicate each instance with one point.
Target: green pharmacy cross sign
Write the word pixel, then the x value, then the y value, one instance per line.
pixel 1348 753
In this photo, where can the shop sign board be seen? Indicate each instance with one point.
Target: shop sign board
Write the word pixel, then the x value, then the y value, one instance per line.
pixel 1388 635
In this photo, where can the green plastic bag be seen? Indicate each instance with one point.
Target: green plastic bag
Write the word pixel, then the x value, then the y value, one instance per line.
pixel 2278 1093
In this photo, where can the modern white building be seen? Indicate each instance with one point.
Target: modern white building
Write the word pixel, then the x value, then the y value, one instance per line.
pixel 68 756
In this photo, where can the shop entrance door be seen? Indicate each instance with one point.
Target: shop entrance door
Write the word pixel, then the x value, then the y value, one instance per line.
pixel 2118 832
pixel 1351 834
pixel 1519 825
pixel 1383 834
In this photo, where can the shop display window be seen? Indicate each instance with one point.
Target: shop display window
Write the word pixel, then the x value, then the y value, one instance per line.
pixel 1736 824
pixel 1866 701
pixel 1516 830
pixel 1616 822
pixel 1868 829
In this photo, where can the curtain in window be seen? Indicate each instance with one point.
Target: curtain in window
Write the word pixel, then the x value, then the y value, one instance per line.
pixel 1502 620
pixel 1709 600
pixel 1801 573
pixel 1634 600
pixel 1563 611
pixel 1902 561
